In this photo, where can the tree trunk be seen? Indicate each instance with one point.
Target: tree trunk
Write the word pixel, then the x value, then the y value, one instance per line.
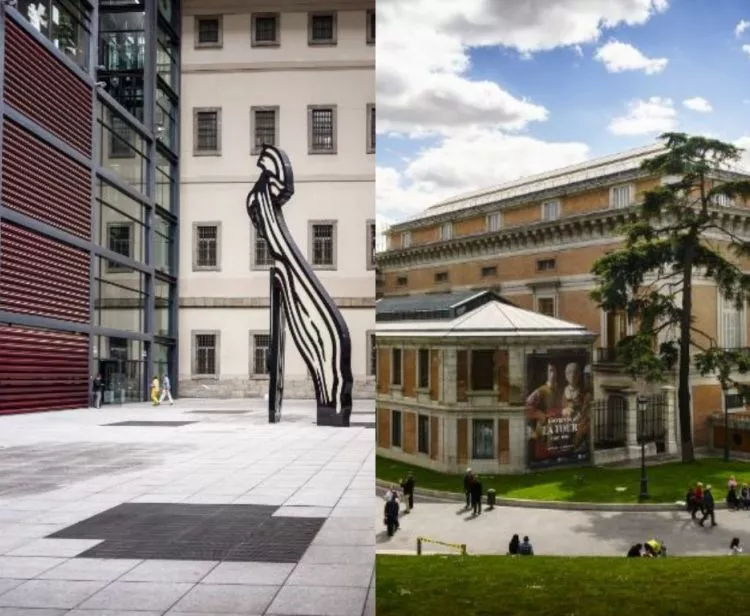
pixel 683 392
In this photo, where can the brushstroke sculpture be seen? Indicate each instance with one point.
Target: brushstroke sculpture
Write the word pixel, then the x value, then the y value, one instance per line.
pixel 297 296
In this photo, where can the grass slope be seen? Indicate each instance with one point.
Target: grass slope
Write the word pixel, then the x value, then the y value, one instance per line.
pixel 667 482
pixel 554 586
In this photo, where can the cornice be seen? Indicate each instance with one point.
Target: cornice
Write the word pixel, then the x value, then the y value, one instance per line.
pixel 594 227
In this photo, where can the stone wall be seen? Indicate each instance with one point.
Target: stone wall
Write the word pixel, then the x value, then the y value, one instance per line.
pixel 294 389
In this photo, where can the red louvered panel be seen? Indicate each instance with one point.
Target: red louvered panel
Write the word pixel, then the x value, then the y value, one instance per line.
pixel 42 88
pixel 43 277
pixel 42 370
pixel 42 183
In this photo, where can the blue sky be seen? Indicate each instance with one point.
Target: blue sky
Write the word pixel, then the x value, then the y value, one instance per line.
pixel 530 94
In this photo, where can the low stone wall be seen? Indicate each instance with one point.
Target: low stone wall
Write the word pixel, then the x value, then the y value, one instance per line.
pixel 294 389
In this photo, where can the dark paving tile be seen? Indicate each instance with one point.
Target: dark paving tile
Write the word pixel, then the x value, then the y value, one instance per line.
pixel 172 531
pixel 363 424
pixel 150 424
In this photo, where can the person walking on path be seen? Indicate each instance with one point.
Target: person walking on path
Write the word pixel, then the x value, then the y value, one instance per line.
pixel 708 507
pixel 408 488
pixel 525 549
pixel 697 502
pixel 98 389
pixel 476 496
pixel 166 390
pixel 391 515
pixel 468 477
pixel 155 391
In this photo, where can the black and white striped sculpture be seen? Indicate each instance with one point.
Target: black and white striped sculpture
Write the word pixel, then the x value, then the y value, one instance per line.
pixel 298 297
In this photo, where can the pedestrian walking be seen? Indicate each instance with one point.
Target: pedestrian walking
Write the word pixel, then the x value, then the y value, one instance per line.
pixel 467 486
pixel 98 391
pixel 391 515
pixel 408 488
pixel 166 390
pixel 708 507
pixel 155 391
pixel 476 496
pixel 696 504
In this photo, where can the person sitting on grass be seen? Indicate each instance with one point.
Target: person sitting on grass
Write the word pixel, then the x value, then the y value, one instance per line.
pixel 635 551
pixel 734 547
pixel 513 545
pixel 654 548
pixel 525 548
pixel 745 496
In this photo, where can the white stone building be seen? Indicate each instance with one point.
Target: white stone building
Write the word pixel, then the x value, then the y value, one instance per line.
pixel 299 75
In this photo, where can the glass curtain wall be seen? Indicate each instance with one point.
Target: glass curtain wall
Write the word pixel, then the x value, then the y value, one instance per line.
pixel 136 198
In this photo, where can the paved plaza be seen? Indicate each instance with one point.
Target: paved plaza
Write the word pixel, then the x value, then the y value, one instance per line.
pixel 560 533
pixel 197 508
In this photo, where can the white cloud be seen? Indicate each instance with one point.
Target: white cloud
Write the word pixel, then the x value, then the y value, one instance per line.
pixel 699 104
pixel 423 83
pixel 746 49
pixel 741 26
pixel 618 57
pixel 579 50
pixel 469 161
pixel 654 115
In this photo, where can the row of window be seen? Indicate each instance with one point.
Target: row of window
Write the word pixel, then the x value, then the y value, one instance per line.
pixel 482 430
pixel 322 129
pixel 206 354
pixel 486 271
pixel 322 29
pixel 322 246
pixel 482 369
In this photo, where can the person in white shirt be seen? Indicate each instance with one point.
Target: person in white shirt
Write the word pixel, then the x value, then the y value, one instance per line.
pixel 165 390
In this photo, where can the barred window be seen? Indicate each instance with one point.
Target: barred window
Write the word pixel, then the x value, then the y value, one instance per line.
pixel 322 28
pixel 208 31
pixel 207 240
pixel 423 368
pixel 546 305
pixel 396 367
pixel 207 138
pixel 621 196
pixel 264 128
pixel 371 27
pixel 205 354
pixel 371 243
pixel 550 210
pixel 261 345
pixel 396 429
pixel 262 254
pixel 265 29
pixel 373 359
pixel 483 439
pixel 482 369
pixel 423 434
pixel 371 129
pixel 322 129
pixel 323 245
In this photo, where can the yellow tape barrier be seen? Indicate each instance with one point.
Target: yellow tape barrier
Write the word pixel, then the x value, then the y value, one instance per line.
pixel 421 540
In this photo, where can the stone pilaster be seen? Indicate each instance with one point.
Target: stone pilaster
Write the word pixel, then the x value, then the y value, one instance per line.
pixel 672 418
pixel 450 443
pixel 516 375
pixel 450 367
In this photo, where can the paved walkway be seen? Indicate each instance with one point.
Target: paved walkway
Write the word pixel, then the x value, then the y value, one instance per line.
pixel 554 532
pixel 210 510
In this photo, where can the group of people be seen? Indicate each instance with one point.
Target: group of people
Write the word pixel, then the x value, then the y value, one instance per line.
pixel 473 491
pixel 653 548
pixel 738 497
pixel 516 547
pixel 393 504
pixel 700 499
pixel 160 391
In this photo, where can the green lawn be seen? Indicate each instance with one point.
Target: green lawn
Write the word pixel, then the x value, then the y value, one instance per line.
pixel 554 586
pixel 666 482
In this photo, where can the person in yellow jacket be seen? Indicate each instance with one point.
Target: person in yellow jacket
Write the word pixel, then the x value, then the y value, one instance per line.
pixel 654 548
pixel 155 391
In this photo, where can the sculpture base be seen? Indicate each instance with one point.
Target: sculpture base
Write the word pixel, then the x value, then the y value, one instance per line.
pixel 327 416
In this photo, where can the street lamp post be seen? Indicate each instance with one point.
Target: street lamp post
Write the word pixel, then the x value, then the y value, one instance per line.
pixel 642 408
pixel 726 427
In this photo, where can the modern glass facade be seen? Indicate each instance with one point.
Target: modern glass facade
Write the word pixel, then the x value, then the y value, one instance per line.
pixel 114 67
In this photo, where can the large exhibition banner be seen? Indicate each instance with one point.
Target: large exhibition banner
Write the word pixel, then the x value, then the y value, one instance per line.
pixel 558 408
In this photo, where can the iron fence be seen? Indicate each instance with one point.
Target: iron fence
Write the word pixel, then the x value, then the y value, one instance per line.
pixel 610 422
pixel 651 426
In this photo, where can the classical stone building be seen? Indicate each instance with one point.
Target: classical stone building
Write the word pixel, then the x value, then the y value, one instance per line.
pixel 457 372
pixel 535 241
pixel 298 75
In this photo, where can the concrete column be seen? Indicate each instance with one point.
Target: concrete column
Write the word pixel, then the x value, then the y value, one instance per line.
pixel 450 374
pixel 518 443
pixel 631 419
pixel 516 375
pixel 672 418
pixel 450 443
